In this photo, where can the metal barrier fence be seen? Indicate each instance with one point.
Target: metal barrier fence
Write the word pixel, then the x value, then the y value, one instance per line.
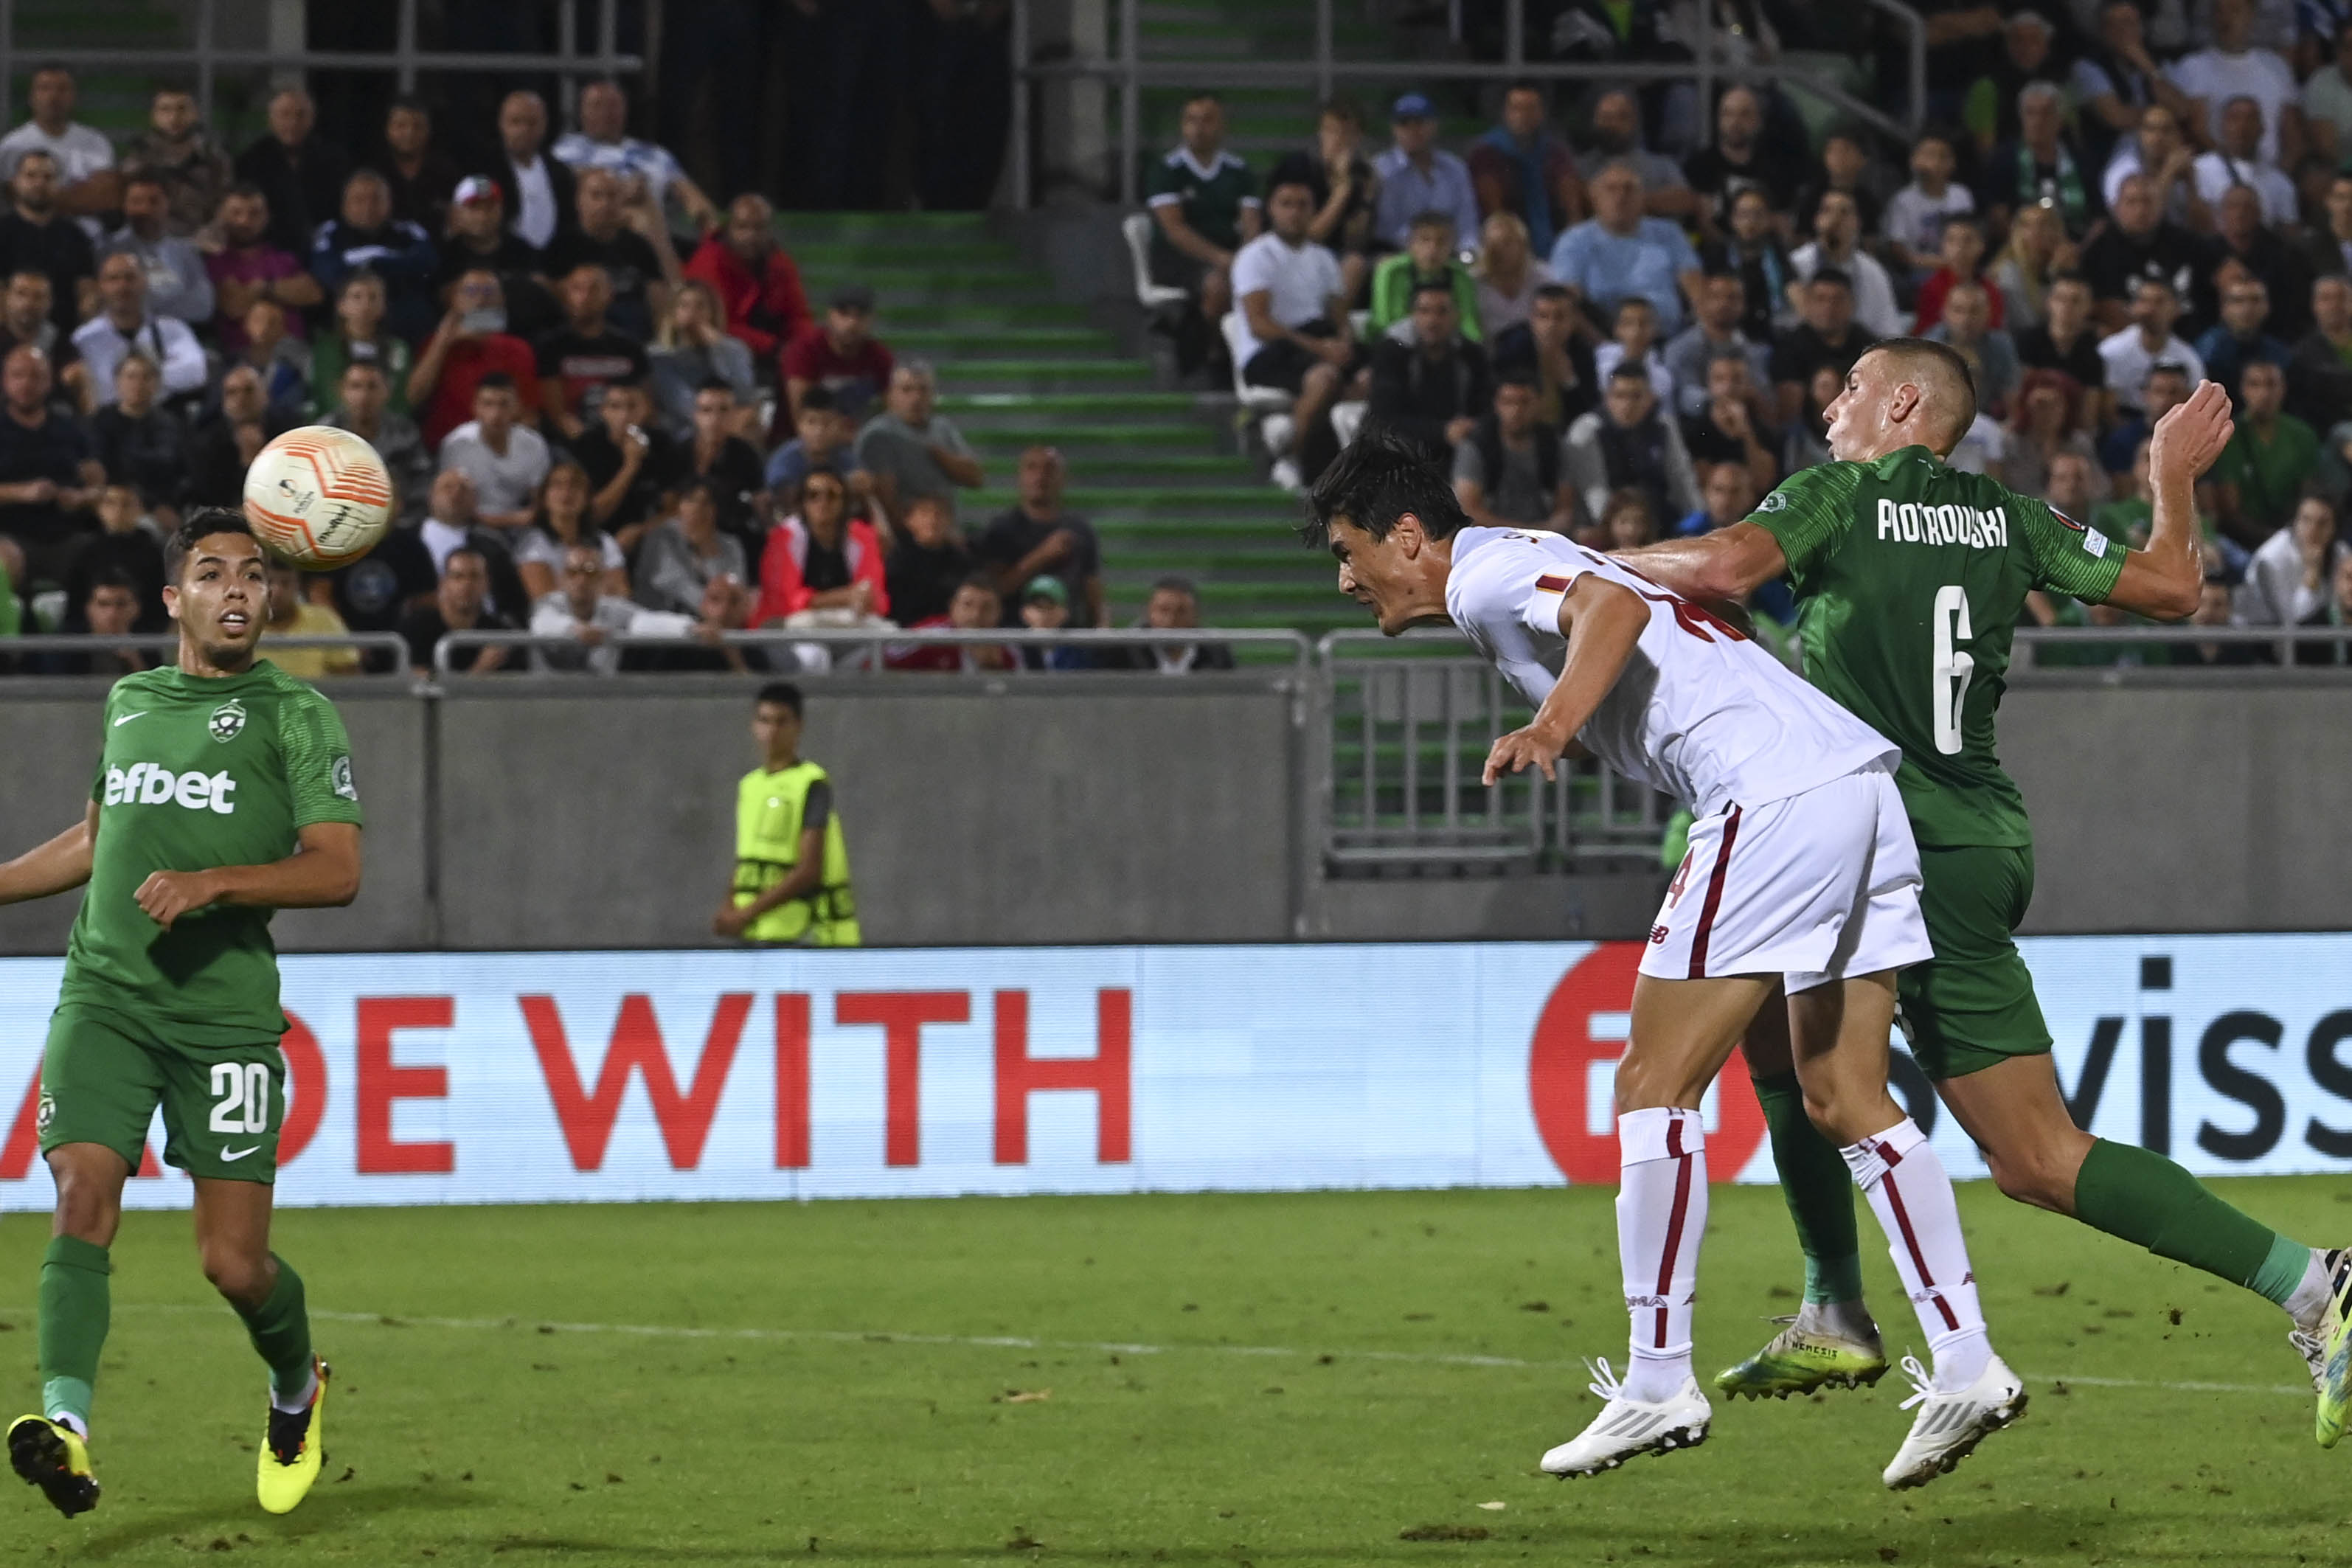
pixel 1409 728
pixel 1315 74
pixel 2080 648
pixel 872 649
pixel 165 648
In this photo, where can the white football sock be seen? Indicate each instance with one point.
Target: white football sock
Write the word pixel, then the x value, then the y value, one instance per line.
pixel 1661 1215
pixel 2310 1299
pixel 300 1402
pixel 1912 1197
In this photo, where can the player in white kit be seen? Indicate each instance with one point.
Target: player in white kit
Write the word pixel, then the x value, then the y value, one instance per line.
pixel 1802 873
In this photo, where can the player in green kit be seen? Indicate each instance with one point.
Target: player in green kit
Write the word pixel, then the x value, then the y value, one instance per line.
pixel 224 792
pixel 1912 577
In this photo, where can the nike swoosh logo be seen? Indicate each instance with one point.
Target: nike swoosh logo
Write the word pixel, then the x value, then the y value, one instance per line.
pixel 128 717
pixel 229 1154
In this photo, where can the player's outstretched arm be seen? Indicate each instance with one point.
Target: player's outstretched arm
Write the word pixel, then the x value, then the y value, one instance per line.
pixel 52 867
pixel 2163 580
pixel 323 872
pixel 1727 564
pixel 1601 622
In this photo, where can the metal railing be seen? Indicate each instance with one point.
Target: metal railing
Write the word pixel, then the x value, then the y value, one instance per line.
pixel 1409 727
pixel 2174 645
pixel 208 56
pixel 1322 67
pixel 165 646
pixel 878 645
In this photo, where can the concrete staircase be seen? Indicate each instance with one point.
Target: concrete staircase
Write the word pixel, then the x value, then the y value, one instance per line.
pixel 1155 471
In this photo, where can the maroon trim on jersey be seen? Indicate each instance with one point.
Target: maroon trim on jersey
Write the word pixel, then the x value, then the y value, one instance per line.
pixel 1918 1259
pixel 1551 584
pixel 1675 1218
pixel 1714 896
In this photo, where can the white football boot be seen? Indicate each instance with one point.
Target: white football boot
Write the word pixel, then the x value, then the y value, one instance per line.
pixel 1626 1428
pixel 1949 1426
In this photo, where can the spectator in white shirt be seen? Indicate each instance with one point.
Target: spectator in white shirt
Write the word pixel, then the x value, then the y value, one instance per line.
pixel 1914 220
pixel 2147 343
pixel 123 320
pixel 2238 161
pixel 177 284
pixel 2287 579
pixel 507 460
pixel 580 610
pixel 86 183
pixel 603 142
pixel 2158 150
pixel 538 189
pixel 1294 333
pixel 2211 77
pixel 1836 244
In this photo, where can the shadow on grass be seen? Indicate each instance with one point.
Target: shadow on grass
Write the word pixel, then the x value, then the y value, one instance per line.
pixel 327 1509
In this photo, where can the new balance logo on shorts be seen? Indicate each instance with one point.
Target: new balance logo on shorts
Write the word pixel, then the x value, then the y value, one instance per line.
pixel 151 784
pixel 1657 935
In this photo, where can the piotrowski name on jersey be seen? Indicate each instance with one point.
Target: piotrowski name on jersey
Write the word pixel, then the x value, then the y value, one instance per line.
pixel 1968 525
pixel 152 783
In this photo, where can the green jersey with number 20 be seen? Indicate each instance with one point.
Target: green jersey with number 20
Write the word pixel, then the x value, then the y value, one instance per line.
pixel 199 772
pixel 1912 575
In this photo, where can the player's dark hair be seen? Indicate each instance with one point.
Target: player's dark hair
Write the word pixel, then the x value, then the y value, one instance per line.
pixel 1431 218
pixel 1383 475
pixel 714 383
pixel 1912 353
pixel 1831 275
pixel 496 380
pixel 985 583
pixel 1438 287
pixel 110 577
pixel 1173 583
pixel 145 177
pixel 1519 373
pixel 1543 291
pixel 1284 179
pixel 782 693
pixel 1346 110
pixel 200 522
pixel 819 398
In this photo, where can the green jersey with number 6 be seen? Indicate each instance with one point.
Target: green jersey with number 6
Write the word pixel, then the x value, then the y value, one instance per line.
pixel 199 772
pixel 1912 575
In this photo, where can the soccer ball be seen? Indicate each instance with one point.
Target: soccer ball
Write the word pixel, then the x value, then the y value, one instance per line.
pixel 317 497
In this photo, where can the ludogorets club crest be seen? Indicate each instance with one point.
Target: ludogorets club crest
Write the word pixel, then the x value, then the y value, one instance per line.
pixel 227 720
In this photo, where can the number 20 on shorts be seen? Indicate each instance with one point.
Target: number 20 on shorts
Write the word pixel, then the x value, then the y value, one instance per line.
pixel 241 1097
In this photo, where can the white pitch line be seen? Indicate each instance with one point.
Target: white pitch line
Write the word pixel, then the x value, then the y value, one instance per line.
pixel 1110 1347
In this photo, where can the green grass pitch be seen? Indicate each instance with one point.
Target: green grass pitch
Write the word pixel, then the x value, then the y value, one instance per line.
pixel 1323 1379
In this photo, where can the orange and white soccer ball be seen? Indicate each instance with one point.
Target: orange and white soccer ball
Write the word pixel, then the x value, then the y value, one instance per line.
pixel 319 496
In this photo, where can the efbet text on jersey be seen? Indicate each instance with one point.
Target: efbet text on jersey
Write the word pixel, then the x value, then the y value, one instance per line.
pixel 1973 526
pixel 151 784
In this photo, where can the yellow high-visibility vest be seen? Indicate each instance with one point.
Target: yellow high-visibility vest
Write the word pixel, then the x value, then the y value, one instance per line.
pixel 769 809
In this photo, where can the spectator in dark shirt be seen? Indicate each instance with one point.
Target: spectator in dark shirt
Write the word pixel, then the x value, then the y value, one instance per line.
pixel 842 356
pixel 419 174
pixel 1828 335
pixel 585 355
pixel 248 267
pixel 224 445
pixel 629 462
pixel 299 174
pixel 1741 159
pixel 2137 242
pixel 24 319
pixel 756 281
pixel 2239 240
pixel 137 442
pixel 2066 339
pixel 730 465
pixel 1548 343
pixel 1038 536
pixel 1175 605
pixel 1507 473
pixel 460 603
pixel 823 444
pixel 478 237
pixel 35 233
pixel 927 560
pixel 127 548
pixel 362 407
pixel 2044 166
pixel 638 263
pixel 537 187
pixel 176 150
pixel 109 609
pixel 1754 250
pixel 471 341
pixel 1630 443
pixel 1731 427
pixel 1431 383
pixel 2319 376
pixel 1045 608
pixel 366 235
pixel 49 476
pixel 1520 167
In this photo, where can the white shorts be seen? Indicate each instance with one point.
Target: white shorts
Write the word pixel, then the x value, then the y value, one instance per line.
pixel 1814 888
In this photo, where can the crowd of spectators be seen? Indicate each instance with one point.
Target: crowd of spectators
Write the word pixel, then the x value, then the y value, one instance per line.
pixel 564 350
pixel 1618 336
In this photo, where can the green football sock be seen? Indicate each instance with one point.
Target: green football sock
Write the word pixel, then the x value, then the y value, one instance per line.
pixel 280 1331
pixel 2145 1198
pixel 75 1309
pixel 1819 1190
